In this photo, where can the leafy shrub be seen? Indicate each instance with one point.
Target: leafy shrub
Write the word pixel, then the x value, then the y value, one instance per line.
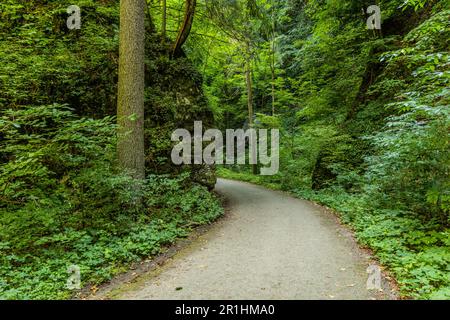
pixel 412 163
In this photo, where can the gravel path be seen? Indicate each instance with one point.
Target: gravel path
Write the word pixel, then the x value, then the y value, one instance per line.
pixel 270 246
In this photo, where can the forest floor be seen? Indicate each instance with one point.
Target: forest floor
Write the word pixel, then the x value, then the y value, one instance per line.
pixel 268 246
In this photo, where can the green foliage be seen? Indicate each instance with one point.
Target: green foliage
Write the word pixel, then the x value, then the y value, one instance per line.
pixel 363 117
pixel 38 243
pixel 47 146
pixel 42 62
pixel 64 203
pixel 416 253
pixel 411 162
pixel 43 274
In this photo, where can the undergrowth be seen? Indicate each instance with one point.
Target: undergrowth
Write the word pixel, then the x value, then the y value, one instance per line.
pixel 65 203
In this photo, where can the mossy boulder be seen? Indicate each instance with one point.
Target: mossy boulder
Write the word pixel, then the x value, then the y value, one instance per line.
pixel 174 99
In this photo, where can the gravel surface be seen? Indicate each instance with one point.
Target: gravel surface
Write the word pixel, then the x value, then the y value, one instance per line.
pixel 269 246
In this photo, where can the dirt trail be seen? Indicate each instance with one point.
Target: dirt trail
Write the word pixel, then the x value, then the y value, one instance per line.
pixel 270 246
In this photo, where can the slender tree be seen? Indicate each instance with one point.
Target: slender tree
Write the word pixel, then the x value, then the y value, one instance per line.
pixel 272 59
pixel 130 107
pixel 164 21
pixel 186 27
pixel 249 83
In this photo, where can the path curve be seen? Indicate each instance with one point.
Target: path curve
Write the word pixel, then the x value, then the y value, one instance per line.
pixel 270 246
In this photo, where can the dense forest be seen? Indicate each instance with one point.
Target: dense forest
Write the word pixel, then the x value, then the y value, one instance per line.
pixel 363 115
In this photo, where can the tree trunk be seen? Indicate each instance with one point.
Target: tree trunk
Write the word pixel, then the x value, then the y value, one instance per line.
pixel 248 77
pixel 130 106
pixel 164 20
pixel 272 60
pixel 272 68
pixel 150 20
pixel 185 30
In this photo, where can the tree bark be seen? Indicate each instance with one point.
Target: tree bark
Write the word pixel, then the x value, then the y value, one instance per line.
pixel 130 106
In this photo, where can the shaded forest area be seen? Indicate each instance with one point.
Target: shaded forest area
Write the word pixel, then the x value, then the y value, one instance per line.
pixel 363 116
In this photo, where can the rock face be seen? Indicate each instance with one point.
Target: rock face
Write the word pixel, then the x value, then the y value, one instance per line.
pixel 174 100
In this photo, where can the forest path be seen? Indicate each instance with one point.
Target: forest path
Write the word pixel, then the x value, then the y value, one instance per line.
pixel 269 246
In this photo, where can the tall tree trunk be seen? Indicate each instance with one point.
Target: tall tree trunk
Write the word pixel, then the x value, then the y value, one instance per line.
pixel 248 77
pixel 164 20
pixel 272 60
pixel 150 20
pixel 130 106
pixel 272 68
